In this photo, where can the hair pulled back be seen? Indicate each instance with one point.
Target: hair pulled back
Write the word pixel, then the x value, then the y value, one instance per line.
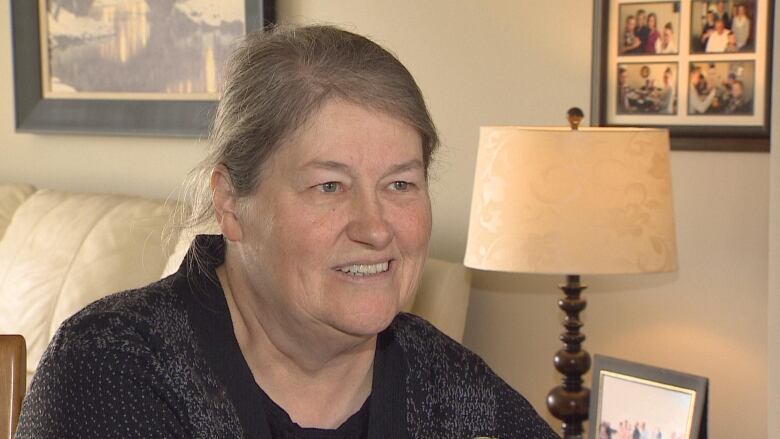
pixel 276 80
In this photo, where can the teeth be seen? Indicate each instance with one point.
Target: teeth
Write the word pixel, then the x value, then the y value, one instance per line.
pixel 365 269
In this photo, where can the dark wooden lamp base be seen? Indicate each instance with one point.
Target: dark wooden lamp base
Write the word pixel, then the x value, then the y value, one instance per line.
pixel 569 401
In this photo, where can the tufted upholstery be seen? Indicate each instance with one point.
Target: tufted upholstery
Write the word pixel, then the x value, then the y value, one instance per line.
pixel 61 251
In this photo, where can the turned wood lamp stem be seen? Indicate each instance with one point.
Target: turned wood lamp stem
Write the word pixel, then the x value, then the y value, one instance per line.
pixel 569 401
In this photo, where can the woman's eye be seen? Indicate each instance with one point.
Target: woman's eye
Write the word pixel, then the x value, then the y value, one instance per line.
pixel 400 185
pixel 330 186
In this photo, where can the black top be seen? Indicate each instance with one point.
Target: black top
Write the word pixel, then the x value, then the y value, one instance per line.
pixel 282 427
pixel 643 33
pixel 150 363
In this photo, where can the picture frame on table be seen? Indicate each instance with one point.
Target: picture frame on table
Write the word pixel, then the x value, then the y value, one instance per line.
pixel 127 67
pixel 630 399
pixel 701 68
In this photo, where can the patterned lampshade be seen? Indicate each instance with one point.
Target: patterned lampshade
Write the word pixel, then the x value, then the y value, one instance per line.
pixel 587 201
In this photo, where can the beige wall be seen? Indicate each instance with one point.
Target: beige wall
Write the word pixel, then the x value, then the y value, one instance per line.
pixel 512 62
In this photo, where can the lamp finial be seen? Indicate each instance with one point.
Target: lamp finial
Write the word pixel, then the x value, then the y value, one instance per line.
pixel 574 116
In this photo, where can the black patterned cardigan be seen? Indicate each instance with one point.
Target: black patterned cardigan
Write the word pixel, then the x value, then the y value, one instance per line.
pixel 162 361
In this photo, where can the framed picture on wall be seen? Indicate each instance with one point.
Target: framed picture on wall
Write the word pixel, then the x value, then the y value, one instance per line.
pixel 138 67
pixel 637 400
pixel 701 68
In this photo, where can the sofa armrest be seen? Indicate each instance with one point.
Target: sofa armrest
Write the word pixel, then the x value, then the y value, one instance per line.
pixel 11 197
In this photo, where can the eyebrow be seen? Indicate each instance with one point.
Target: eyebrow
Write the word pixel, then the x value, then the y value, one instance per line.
pixel 326 164
pixel 342 167
pixel 406 166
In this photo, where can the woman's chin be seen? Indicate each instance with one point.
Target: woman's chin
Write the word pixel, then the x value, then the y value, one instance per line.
pixel 366 324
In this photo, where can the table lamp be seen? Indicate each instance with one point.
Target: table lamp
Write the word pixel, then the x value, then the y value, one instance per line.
pixel 572 201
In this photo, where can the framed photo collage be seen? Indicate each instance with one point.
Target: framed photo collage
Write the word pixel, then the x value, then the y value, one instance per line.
pixel 699 67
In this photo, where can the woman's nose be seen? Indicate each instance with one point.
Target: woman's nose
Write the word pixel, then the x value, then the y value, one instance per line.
pixel 368 224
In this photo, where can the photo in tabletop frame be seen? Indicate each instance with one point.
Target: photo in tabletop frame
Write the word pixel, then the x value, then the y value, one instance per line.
pixel 723 26
pixel 721 88
pixel 649 28
pixel 647 88
pixel 633 400
pixel 631 405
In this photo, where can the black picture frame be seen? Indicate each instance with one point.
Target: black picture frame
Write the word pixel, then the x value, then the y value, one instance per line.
pixel 647 380
pixel 709 137
pixel 36 114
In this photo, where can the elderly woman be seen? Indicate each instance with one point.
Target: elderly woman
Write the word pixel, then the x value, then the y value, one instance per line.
pixel 288 325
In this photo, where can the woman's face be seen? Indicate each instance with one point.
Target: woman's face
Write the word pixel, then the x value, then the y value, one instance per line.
pixel 667 36
pixel 695 77
pixel 337 232
pixel 652 22
pixel 736 90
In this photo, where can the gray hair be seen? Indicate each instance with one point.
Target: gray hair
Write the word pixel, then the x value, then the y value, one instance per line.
pixel 276 80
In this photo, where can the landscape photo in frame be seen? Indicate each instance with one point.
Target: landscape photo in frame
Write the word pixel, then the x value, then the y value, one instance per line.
pixel 125 67
pixel 137 49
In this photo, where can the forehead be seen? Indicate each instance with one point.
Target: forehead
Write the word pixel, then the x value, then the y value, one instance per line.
pixel 347 132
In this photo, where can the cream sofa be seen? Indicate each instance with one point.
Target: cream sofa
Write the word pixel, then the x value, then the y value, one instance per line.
pixel 60 251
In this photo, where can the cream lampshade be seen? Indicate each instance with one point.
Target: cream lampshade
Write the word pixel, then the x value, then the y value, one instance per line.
pixel 555 200
pixel 572 201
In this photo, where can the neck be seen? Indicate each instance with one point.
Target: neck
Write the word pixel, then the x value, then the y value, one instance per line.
pixel 319 376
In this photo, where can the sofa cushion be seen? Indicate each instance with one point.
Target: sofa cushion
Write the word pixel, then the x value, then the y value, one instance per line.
pixel 62 251
pixel 11 197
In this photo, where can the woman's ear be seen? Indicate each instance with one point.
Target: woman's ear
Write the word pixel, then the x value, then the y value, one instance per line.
pixel 224 199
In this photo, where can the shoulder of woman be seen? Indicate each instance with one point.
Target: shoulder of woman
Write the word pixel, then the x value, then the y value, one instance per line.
pixel 118 367
pixel 448 385
pixel 416 333
pixel 130 320
pixel 426 348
